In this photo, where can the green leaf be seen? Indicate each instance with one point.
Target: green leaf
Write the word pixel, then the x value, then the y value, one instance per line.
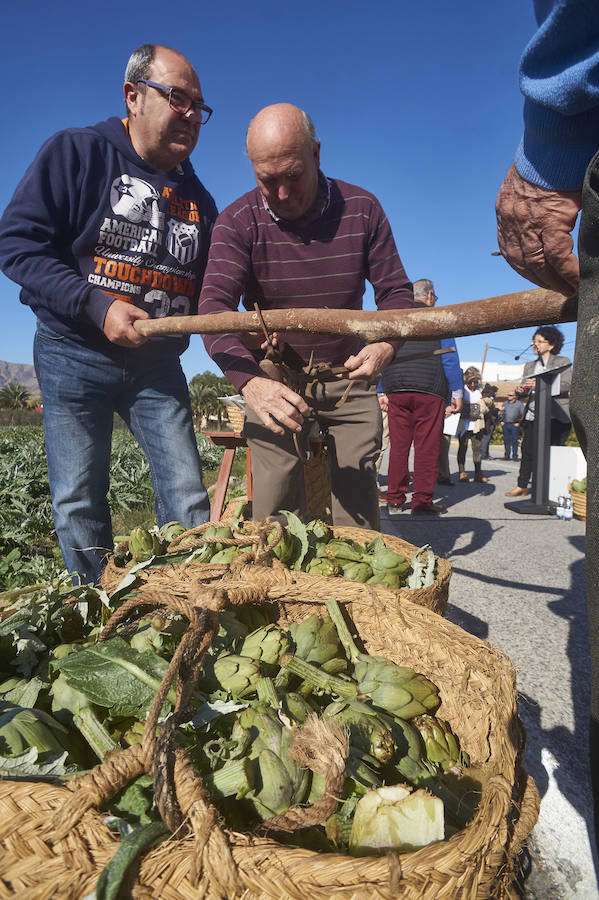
pixel 131 846
pixel 297 528
pixel 113 675
pixel 26 765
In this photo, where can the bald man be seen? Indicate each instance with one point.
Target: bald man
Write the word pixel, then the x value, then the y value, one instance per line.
pixel 301 239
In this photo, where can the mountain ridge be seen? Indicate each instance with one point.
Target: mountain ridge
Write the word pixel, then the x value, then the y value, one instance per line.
pixel 21 373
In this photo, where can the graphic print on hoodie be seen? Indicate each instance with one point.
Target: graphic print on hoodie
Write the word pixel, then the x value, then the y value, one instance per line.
pixel 92 221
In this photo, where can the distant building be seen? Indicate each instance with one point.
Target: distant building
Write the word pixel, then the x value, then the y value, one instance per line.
pixel 497 372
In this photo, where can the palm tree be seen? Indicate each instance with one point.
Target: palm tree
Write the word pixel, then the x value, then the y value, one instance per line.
pixel 14 396
pixel 204 391
pixel 203 399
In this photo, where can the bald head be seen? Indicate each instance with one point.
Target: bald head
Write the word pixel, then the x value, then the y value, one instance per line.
pixel 280 122
pixel 285 154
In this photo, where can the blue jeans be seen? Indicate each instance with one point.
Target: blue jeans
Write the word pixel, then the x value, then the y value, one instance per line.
pixel 511 436
pixel 81 390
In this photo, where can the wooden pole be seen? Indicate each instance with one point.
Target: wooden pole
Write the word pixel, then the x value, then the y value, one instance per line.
pixel 482 366
pixel 519 310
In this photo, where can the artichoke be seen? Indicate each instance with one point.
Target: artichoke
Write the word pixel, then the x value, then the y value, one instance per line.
pixel 276 791
pixel 226 556
pixel 339 548
pixel 269 733
pixel 396 689
pixel 286 549
pixel 357 571
pixel 384 560
pixel 395 818
pixel 387 579
pixel 319 532
pixel 237 674
pixel 144 544
pixel 170 531
pixel 211 549
pixel 367 731
pixel 442 746
pixel 266 645
pixel 321 566
pixel 295 707
pixel 315 639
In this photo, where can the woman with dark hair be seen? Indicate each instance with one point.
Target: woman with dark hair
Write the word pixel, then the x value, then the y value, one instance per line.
pixel 546 343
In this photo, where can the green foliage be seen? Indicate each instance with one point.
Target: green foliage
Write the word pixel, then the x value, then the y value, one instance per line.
pixel 204 391
pixel 14 396
pixel 28 547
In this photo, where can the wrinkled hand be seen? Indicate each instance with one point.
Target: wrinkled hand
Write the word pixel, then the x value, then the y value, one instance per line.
pixel 370 361
pixel 530 218
pixel 118 324
pixel 275 404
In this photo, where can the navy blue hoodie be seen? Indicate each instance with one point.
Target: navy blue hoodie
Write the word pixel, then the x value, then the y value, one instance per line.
pixel 92 221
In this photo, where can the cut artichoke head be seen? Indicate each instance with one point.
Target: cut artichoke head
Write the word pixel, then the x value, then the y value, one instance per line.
pixel 396 818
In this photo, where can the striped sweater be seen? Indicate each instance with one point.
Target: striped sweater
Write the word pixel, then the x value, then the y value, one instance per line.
pixel 282 265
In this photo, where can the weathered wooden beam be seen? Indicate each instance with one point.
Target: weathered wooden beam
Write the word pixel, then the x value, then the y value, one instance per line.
pixel 518 310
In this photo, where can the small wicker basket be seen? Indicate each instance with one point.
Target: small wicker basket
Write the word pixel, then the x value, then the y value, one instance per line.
pixel 236 418
pixel 579 503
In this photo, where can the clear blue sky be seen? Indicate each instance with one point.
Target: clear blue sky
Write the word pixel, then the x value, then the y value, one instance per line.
pixel 417 102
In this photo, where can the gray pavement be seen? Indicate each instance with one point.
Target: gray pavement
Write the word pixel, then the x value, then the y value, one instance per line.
pixel 518 582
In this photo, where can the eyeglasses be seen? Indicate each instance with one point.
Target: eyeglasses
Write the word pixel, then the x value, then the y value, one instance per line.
pixel 179 101
pixel 539 341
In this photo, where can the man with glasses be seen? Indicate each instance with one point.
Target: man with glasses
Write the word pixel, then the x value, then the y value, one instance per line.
pixel 110 224
pixel 301 239
pixel 510 418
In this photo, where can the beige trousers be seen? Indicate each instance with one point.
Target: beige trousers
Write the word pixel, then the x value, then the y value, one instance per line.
pixel 353 439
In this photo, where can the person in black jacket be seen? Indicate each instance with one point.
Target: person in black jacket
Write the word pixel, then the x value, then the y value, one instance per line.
pixel 418 393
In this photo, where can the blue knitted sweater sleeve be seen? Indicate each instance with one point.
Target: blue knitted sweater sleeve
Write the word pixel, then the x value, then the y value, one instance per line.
pixel 452 369
pixel 559 77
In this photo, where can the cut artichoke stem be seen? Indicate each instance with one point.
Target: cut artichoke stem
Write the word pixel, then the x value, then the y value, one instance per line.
pixel 266 691
pixel 234 779
pixel 335 614
pixel 316 678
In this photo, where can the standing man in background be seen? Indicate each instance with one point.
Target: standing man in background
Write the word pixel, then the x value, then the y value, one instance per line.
pixel 537 207
pixel 301 239
pixel 424 291
pixel 418 390
pixel 511 417
pixel 110 224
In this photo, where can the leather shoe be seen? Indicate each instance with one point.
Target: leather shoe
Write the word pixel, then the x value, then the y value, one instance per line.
pixel 433 509
pixel 389 503
pixel 464 476
pixel 517 492
pixel 482 479
pixel 446 481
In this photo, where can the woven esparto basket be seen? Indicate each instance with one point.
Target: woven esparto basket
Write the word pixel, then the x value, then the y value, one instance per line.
pixel 579 503
pixel 477 686
pixel 236 418
pixel 434 597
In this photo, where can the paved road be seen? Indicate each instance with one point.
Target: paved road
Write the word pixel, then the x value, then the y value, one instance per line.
pixel 518 582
